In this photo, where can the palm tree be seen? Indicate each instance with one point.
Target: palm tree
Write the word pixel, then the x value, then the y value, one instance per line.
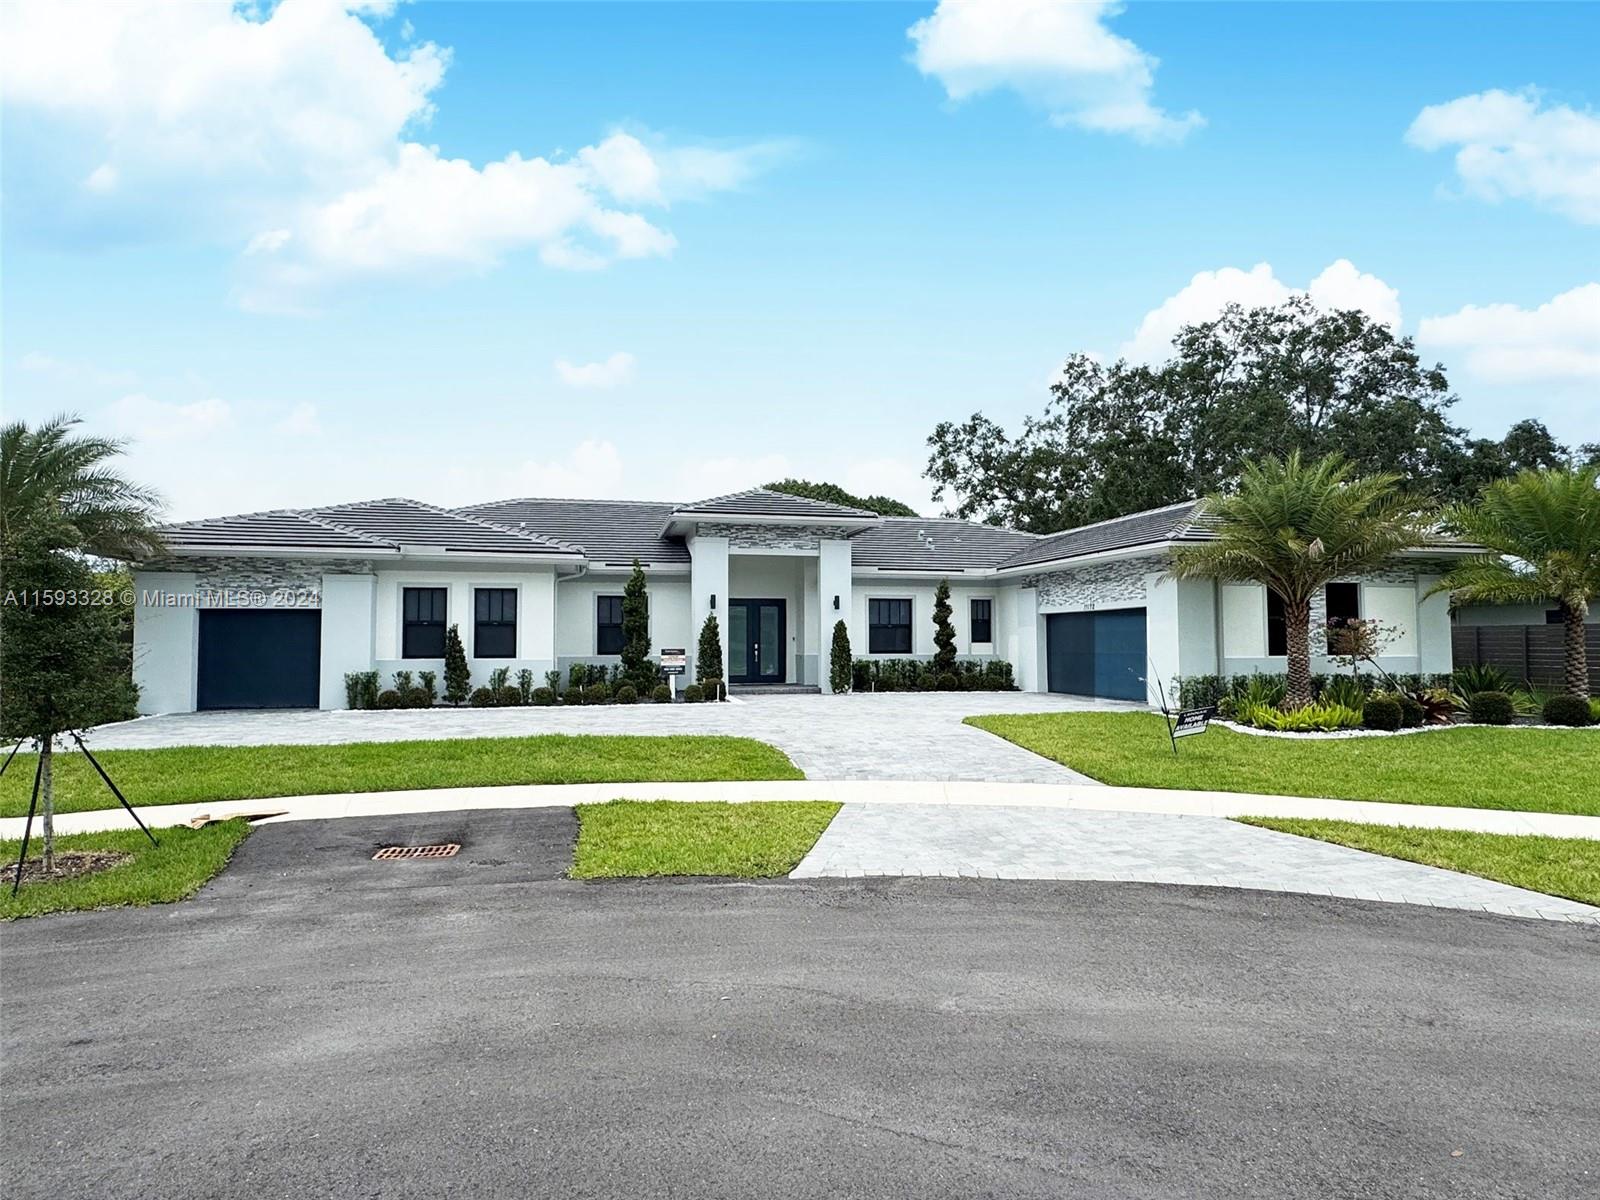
pixel 60 500
pixel 1296 527
pixel 1542 531
pixel 56 484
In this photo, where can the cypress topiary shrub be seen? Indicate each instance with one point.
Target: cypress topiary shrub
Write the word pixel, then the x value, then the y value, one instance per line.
pixel 1490 708
pixel 626 694
pixel 661 694
pixel 693 694
pixel 944 633
pixel 708 655
pixel 637 667
pixel 481 698
pixel 543 697
pixel 457 675
pixel 1566 710
pixel 1381 712
pixel 839 660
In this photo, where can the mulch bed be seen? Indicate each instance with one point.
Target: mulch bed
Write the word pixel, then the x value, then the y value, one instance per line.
pixel 69 864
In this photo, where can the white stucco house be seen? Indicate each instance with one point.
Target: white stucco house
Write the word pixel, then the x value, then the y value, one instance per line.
pixel 272 609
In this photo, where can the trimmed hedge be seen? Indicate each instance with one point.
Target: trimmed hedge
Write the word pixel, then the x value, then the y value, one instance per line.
pixel 919 675
pixel 661 694
pixel 1566 710
pixel 1202 691
pixel 1490 708
pixel 1381 712
pixel 627 694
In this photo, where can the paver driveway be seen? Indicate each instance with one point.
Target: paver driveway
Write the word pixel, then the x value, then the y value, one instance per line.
pixel 897 736
pixel 319 1025
pixel 1003 842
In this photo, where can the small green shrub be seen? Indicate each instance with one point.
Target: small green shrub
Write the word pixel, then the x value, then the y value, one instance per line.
pixel 715 689
pixel 543 697
pixel 389 698
pixel 1473 678
pixel 430 684
pixel 573 695
pixel 1594 712
pixel 627 694
pixel 524 686
pixel 457 673
pixel 416 697
pixel 948 682
pixel 404 681
pixel 1349 691
pixel 661 694
pixel 481 698
pixel 509 696
pixel 597 693
pixel 578 675
pixel 552 680
pixel 1412 712
pixel 1490 708
pixel 1382 712
pixel 693 694
pixel 1566 710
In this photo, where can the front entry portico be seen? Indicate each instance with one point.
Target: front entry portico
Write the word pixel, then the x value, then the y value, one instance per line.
pixel 757 641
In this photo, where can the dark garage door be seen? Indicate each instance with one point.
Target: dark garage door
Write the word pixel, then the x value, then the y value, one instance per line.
pixel 1097 653
pixel 250 658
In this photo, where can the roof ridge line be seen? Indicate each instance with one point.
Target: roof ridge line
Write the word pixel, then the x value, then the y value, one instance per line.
pixel 360 535
pixel 471 519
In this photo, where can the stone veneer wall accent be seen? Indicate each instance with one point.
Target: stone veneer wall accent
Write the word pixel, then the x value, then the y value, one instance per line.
pixel 1107 585
pixel 771 537
pixel 1399 575
pixel 230 582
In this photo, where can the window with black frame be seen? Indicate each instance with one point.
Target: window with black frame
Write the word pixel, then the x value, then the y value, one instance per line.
pixel 1277 626
pixel 982 617
pixel 423 611
pixel 494 629
pixel 889 626
pixel 608 624
pixel 1344 610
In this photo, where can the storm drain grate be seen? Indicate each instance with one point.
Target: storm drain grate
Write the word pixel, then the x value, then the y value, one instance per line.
pixel 443 850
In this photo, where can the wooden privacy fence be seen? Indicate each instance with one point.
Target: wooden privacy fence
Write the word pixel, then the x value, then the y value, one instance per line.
pixel 1531 653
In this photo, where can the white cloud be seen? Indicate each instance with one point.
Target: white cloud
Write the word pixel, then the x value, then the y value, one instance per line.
pixel 301 421
pixel 734 473
pixel 592 470
pixel 208 88
pixel 74 372
pixel 1058 54
pixel 1339 286
pixel 139 416
pixel 292 134
pixel 1513 146
pixel 892 477
pixel 612 372
pixel 1556 342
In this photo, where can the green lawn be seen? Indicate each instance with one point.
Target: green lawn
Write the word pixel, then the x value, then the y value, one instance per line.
pixel 666 837
pixel 184 860
pixel 205 773
pixel 1567 867
pixel 1542 770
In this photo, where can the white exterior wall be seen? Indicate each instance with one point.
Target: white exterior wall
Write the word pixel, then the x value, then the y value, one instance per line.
pixel 535 619
pixel 1396 598
pixel 1180 633
pixel 574 630
pixel 708 585
pixel 166 643
pixel 347 624
pixel 834 559
pixel 921 592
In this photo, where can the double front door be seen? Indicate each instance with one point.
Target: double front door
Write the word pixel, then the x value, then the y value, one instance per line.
pixel 756 641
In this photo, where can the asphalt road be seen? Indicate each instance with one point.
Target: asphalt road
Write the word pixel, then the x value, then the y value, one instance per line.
pixel 316 1024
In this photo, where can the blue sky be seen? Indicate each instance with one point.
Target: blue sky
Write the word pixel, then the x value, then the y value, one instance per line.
pixel 798 237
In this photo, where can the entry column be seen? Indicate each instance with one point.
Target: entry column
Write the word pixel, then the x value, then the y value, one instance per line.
pixel 708 590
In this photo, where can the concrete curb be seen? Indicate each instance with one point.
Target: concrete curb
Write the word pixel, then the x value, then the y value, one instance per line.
pixel 1034 795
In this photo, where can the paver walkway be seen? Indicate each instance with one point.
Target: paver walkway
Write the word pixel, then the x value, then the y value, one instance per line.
pixel 895 736
pixel 1038 843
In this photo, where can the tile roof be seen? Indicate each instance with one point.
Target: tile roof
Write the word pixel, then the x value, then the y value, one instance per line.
pixel 611 531
pixel 760 502
pixel 1175 522
pixel 370 526
pixel 936 544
